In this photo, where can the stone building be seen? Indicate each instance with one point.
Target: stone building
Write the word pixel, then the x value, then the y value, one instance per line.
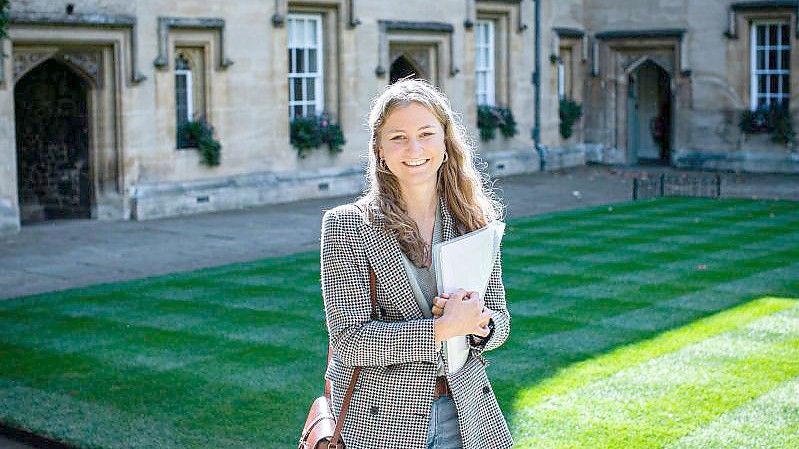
pixel 668 81
pixel 94 93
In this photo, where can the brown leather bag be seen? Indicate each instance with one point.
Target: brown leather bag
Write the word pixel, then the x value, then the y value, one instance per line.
pixel 322 430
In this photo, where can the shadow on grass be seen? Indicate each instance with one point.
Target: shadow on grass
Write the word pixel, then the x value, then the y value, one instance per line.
pixel 232 356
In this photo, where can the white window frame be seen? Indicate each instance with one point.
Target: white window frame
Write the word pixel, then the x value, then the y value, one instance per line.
pixel 490 68
pixel 755 72
pixel 302 43
pixel 189 94
pixel 561 80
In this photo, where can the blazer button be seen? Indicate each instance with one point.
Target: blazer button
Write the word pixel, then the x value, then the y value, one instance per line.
pixel 486 390
pixel 374 410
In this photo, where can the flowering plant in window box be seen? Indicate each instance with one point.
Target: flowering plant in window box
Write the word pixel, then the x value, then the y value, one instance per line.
pixel 310 132
pixel 200 134
pixel 489 118
pixel 774 118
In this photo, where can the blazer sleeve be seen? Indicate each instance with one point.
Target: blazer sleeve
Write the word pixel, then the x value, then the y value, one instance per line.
pixel 495 301
pixel 357 340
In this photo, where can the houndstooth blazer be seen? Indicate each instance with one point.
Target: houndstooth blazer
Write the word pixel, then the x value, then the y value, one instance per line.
pixel 393 397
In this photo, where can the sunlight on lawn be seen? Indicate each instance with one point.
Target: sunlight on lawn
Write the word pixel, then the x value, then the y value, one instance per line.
pixel 678 389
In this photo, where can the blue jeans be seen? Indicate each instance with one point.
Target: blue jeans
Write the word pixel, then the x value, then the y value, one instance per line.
pixel 444 432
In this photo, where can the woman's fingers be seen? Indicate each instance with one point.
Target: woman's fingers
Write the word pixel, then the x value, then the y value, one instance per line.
pixel 482 331
pixel 438 306
pixel 485 317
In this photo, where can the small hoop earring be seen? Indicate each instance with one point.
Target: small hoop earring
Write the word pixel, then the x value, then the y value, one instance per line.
pixel 382 164
pixel 446 157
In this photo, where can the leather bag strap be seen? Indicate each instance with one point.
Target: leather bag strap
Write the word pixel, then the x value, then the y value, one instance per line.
pixel 334 442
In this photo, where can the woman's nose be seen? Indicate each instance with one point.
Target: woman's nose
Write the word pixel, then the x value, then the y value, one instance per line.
pixel 415 145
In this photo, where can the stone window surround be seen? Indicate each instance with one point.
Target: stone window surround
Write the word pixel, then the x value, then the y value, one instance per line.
pixel 502 16
pixel 282 9
pixel 202 39
pixel 101 50
pixel 331 18
pixel 474 7
pixel 171 25
pixel 753 72
pixel 571 38
pixel 491 69
pixel 742 14
pixel 319 88
pixel 197 52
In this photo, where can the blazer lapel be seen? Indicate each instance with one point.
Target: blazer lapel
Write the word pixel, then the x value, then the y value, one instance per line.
pixel 385 257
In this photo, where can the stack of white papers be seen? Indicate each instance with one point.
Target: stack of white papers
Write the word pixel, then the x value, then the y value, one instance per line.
pixel 466 262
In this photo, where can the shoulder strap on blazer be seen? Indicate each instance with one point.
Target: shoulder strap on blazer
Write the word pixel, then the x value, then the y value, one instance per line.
pixel 348 395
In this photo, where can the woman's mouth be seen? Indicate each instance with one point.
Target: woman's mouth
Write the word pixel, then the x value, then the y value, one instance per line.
pixel 415 162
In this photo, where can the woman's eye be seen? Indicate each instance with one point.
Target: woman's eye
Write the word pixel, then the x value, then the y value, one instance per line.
pixel 397 138
pixel 427 134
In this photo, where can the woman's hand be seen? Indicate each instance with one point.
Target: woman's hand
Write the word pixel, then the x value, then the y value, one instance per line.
pixel 464 313
pixel 439 302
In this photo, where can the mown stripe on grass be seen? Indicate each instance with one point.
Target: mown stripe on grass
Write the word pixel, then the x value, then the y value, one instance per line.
pixel 607 364
pixel 769 422
pixel 653 392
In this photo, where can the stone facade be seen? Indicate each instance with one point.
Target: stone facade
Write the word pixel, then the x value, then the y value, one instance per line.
pixel 124 53
pixel 660 80
pixel 681 69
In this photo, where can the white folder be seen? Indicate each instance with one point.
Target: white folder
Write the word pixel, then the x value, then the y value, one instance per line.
pixel 466 262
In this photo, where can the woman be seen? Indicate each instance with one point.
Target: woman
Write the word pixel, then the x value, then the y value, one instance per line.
pixel 423 188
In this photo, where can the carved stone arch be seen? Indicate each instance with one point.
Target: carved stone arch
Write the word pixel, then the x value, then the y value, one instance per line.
pixel 405 61
pixel 664 63
pixel 190 59
pixel 85 64
pixel 25 61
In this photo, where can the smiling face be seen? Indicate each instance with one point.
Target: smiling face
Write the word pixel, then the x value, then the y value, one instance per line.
pixel 411 141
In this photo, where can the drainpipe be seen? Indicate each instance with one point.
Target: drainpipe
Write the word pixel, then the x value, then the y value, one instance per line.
pixel 537 84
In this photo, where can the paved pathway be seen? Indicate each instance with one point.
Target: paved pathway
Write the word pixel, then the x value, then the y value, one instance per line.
pixel 66 254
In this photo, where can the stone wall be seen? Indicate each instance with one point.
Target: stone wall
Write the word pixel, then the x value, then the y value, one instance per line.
pixel 246 93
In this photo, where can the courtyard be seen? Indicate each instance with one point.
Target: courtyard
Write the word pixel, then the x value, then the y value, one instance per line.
pixel 670 322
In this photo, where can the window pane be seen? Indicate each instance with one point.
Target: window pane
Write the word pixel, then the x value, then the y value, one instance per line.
pixel 297 110
pixel 784 37
pixel 774 83
pixel 181 100
pixel 298 89
pixel 310 86
pixel 784 84
pixel 761 84
pixel 311 109
pixel 786 61
pixel 299 33
pixel 299 56
pixel 761 59
pixel 312 53
pixel 772 59
pixel 772 34
pixel 311 33
pixel 761 35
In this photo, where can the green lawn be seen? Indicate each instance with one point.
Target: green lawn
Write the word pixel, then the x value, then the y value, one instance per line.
pixel 671 323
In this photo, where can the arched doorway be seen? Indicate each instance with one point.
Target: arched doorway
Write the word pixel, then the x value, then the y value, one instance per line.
pixel 403 67
pixel 52 135
pixel 649 117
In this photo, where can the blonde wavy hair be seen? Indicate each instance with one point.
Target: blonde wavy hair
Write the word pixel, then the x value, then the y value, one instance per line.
pixel 468 194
